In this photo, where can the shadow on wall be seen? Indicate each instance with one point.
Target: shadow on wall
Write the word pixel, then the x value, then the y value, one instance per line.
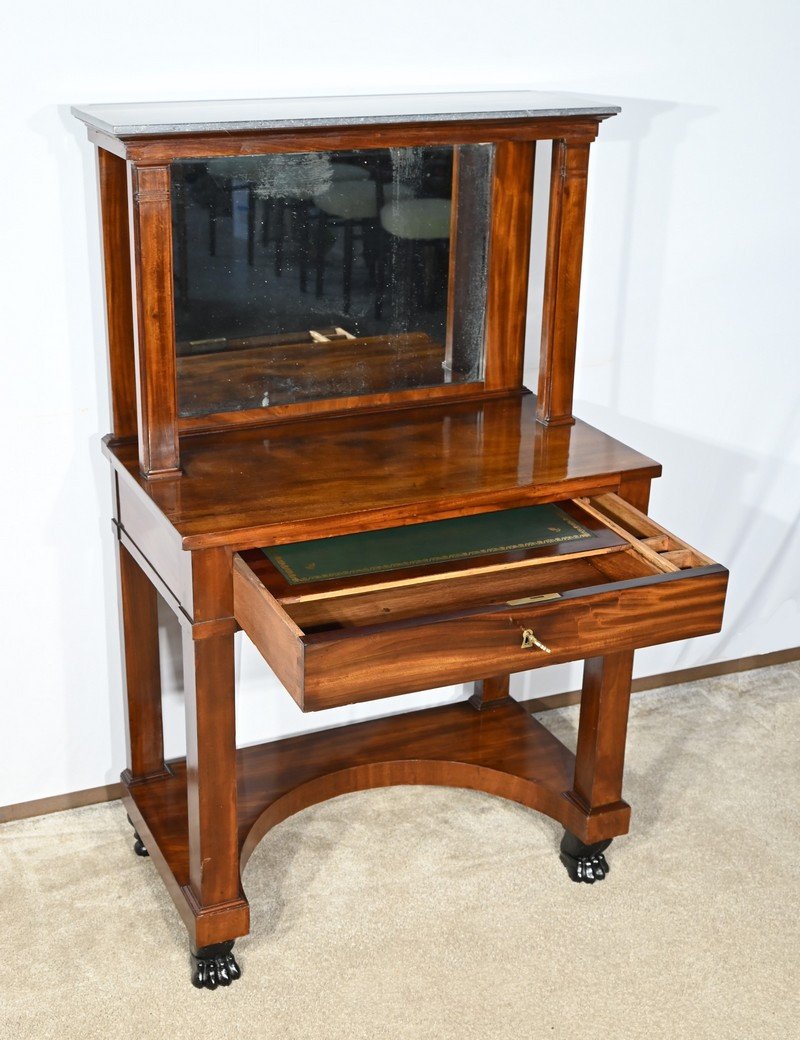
pixel 85 573
pixel 721 500
pixel 631 173
pixel 650 134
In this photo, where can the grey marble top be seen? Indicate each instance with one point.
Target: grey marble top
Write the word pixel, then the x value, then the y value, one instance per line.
pixel 176 117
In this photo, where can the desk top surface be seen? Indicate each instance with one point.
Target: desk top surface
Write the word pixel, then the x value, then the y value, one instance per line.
pixel 320 477
pixel 179 117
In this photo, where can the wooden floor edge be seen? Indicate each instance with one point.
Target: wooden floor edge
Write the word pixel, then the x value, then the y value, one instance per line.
pixel 60 802
pixel 682 675
pixel 110 792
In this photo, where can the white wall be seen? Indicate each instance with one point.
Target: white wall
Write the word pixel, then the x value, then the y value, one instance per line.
pixel 688 336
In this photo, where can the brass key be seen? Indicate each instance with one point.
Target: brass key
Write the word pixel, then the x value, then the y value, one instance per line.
pixel 529 641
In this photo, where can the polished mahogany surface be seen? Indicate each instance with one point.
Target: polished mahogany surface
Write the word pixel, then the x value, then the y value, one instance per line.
pixel 334 475
pixel 451 745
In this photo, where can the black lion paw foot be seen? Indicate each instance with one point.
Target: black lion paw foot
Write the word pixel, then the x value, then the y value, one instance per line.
pixel 584 863
pixel 139 846
pixel 214 966
pixel 586 868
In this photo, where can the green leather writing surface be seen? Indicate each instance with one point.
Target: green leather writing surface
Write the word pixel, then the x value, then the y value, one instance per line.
pixel 397 548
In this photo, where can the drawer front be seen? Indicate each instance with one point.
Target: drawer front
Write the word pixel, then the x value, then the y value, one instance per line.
pixel 365 664
pixel 347 665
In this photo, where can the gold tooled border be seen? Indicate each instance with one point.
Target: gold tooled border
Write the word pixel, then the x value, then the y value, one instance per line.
pixel 288 571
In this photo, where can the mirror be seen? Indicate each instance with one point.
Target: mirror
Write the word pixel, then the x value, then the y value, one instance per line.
pixel 328 274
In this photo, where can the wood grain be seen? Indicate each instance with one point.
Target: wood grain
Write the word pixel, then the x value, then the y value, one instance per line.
pixel 503 751
pixel 357 656
pixel 657 560
pixel 333 407
pixel 146 525
pixel 285 374
pixel 271 629
pixel 396 602
pixel 157 419
pixel 562 280
pixel 168 147
pixel 637 492
pixel 211 768
pixel 151 242
pixel 627 516
pixel 509 261
pixel 366 663
pixel 327 476
pixel 490 693
pixel 138 609
pixel 113 184
pixel 603 723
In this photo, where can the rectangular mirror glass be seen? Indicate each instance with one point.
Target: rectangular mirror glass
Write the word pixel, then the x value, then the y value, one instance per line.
pixel 318 275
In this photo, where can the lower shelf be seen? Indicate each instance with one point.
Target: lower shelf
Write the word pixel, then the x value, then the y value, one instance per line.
pixel 502 750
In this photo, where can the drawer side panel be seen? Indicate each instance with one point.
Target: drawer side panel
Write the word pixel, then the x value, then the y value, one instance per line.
pixel 270 629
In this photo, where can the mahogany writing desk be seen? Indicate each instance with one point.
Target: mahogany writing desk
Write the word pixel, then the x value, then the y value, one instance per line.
pixel 257 407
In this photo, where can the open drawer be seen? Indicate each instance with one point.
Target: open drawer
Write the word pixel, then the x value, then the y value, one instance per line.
pixel 623 583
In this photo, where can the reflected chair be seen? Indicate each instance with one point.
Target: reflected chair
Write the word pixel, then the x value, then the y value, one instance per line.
pixel 226 175
pixel 416 232
pixel 294 196
pixel 351 201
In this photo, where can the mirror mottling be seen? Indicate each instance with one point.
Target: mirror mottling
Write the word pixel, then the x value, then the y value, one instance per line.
pixel 322 275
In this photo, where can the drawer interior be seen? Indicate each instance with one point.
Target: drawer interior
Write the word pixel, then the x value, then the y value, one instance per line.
pixel 602 581
pixel 624 544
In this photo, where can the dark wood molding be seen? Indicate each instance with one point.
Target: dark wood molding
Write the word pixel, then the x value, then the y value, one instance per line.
pixel 111 792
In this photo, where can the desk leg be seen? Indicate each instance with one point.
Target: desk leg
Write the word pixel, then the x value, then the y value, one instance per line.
pixel 214 890
pixel 490 693
pixel 138 601
pixel 600 756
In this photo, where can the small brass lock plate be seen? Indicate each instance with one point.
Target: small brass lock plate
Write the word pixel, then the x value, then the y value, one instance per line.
pixel 534 599
pixel 529 641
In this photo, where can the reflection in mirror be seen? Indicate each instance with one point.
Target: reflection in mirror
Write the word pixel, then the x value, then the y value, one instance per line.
pixel 328 274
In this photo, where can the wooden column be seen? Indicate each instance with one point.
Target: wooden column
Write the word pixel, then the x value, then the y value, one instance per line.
pixel 562 281
pixel 508 263
pixel 600 753
pixel 208 664
pixel 211 765
pixel 489 693
pixel 113 179
pixel 141 672
pixel 151 260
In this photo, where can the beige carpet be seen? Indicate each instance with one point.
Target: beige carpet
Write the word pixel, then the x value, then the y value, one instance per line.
pixel 433 913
